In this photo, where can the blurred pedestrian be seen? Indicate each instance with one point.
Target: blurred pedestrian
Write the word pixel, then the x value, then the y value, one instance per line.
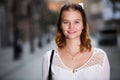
pixel 74 58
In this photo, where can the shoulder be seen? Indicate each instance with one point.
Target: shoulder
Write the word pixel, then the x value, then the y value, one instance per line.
pixel 100 56
pixel 46 57
pixel 100 51
pixel 47 54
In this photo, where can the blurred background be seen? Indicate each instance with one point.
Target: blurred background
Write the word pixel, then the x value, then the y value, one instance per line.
pixel 27 31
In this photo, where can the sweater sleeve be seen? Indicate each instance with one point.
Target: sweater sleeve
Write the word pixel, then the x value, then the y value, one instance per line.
pixel 45 65
pixel 105 72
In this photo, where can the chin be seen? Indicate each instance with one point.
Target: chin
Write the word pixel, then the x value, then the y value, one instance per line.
pixel 73 37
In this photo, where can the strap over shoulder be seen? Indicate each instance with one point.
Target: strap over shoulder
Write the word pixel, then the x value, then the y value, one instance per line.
pixel 49 73
pixel 51 56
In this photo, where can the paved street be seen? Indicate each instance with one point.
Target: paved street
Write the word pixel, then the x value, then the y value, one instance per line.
pixel 29 67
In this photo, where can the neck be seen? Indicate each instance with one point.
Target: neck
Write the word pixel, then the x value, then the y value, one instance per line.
pixel 72 45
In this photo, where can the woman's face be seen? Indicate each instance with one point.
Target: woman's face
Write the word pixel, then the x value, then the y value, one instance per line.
pixel 71 24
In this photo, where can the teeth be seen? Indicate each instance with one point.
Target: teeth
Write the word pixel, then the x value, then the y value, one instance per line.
pixel 71 31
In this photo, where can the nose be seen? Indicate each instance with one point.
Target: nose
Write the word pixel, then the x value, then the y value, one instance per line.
pixel 71 25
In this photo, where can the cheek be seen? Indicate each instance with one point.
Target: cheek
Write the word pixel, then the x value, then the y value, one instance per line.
pixel 80 28
pixel 64 28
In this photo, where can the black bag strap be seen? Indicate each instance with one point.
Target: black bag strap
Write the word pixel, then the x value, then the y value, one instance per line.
pixel 49 73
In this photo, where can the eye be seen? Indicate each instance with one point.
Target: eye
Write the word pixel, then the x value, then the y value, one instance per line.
pixel 77 21
pixel 65 22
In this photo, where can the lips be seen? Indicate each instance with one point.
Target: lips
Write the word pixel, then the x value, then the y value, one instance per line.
pixel 71 31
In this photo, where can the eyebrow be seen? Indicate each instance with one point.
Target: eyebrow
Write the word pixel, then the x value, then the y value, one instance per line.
pixel 68 20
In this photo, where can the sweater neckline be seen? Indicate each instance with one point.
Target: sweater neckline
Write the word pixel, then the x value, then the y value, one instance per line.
pixel 57 53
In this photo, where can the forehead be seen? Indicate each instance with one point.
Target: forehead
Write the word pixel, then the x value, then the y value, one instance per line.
pixel 71 14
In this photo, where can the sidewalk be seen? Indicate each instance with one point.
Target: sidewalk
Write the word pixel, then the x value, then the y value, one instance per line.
pixel 28 68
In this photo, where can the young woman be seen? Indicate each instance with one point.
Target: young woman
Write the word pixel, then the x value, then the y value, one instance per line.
pixel 75 58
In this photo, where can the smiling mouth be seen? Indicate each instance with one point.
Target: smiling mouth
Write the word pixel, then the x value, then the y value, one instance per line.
pixel 71 32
